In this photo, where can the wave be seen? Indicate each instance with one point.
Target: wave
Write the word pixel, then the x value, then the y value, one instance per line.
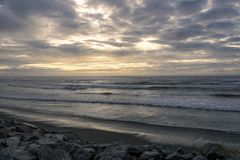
pixel 76 87
pixel 121 103
pixel 103 93
pixel 120 121
pixel 227 95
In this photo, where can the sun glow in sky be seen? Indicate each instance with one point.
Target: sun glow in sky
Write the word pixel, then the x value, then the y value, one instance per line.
pixel 119 37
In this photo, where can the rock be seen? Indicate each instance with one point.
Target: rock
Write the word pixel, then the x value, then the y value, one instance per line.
pixel 23 129
pixel 235 158
pixel 188 156
pixel 180 151
pixel 12 122
pixel 134 151
pixel 89 150
pixel 3 133
pixel 150 155
pixel 2 126
pixel 46 141
pixel 34 148
pixel 144 148
pixel 162 149
pixel 30 137
pixel 53 154
pixel 17 154
pixel 173 156
pixel 5 157
pixel 30 125
pixel 12 142
pixel 199 158
pixel 79 153
pixel 113 153
pixel 214 151
pixel 49 139
pixel 3 144
pixel 55 137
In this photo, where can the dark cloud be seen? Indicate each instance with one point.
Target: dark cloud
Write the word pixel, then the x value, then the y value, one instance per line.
pixel 233 39
pixel 19 14
pixel 184 32
pixel 222 25
pixel 191 6
pixel 9 22
pixel 218 3
pixel 113 43
pixel 38 44
pixel 225 12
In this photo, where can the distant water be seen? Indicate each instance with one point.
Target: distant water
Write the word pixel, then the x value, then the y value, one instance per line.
pixel 193 102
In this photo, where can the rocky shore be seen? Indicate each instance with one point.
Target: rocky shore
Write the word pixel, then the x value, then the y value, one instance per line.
pixel 24 141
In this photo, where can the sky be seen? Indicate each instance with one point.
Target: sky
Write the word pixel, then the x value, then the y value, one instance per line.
pixel 119 37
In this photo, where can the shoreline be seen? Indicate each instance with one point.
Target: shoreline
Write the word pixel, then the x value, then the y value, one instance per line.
pixel 21 140
pixel 103 131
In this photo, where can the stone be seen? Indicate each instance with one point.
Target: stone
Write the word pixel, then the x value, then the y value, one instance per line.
pixel 34 148
pixel 30 125
pixel 79 153
pixel 53 154
pixel 12 122
pixel 2 126
pixel 134 151
pixel 12 142
pixel 180 151
pixel 5 157
pixel 55 137
pixel 199 158
pixel 162 149
pixel 17 154
pixel 173 156
pixel 90 150
pixel 113 153
pixel 103 146
pixel 150 155
pixel 233 158
pixel 30 137
pixel 188 156
pixel 3 133
pixel 214 151
pixel 23 129
pixel 49 139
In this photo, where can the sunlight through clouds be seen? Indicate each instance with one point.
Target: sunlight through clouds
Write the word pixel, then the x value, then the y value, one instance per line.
pixel 106 35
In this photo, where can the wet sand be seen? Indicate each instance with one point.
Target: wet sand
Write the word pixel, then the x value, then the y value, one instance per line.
pixel 91 135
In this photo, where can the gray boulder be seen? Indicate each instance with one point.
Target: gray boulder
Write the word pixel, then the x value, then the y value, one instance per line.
pixel 53 154
pixel 30 125
pixel 5 157
pixel 12 142
pixel 17 153
pixel 214 151
pixel 23 129
pixel 174 156
pixel 188 156
pixel 79 153
pixel 114 153
pixel 150 155
pixel 134 151
pixel 199 158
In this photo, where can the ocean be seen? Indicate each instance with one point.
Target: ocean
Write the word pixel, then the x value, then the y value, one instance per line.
pixel 206 103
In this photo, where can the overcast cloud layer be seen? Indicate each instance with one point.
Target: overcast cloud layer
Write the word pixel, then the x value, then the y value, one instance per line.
pixel 119 37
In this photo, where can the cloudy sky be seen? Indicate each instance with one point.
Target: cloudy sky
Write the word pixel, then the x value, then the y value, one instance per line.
pixel 119 37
